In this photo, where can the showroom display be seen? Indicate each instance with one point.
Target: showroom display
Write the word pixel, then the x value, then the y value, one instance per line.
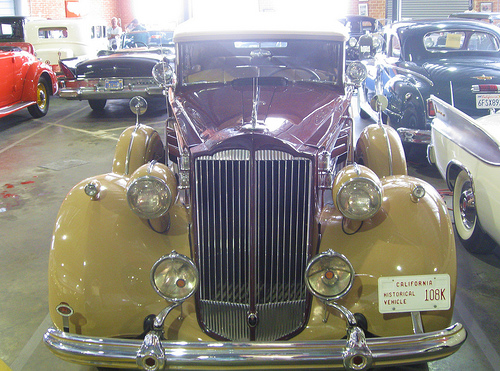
pixel 255 235
pixel 445 58
pixel 26 82
pixel 467 153
pixel 117 74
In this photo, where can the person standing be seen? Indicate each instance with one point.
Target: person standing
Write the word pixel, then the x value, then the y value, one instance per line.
pixel 114 33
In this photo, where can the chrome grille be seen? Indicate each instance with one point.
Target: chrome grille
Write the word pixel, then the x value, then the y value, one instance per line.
pixel 253 222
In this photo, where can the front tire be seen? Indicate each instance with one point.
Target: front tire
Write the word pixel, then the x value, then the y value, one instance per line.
pixel 41 107
pixel 97 104
pixel 467 224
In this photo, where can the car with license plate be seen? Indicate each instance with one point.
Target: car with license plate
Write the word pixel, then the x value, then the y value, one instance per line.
pixel 26 82
pixel 358 26
pixel 456 60
pixel 254 233
pixel 466 152
pixel 117 74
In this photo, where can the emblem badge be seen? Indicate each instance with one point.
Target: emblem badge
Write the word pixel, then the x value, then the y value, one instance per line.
pixel 483 77
pixel 252 319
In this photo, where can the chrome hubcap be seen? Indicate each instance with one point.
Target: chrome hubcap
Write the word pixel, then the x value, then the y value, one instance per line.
pixel 468 208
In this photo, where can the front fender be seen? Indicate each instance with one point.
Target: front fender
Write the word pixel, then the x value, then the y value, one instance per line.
pixel 406 237
pixel 101 256
pixel 379 147
pixel 406 105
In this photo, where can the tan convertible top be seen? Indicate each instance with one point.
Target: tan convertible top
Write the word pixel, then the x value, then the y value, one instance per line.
pixel 262 26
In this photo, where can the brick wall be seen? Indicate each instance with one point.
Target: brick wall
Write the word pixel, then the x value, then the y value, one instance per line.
pixel 376 8
pixel 496 5
pixel 105 9
pixel 123 8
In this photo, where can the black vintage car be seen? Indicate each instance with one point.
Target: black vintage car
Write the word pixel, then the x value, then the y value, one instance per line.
pixel 455 60
pixel 117 74
pixel 358 26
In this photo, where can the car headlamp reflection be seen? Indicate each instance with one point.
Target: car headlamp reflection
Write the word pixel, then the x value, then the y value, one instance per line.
pixel 329 275
pixel 174 277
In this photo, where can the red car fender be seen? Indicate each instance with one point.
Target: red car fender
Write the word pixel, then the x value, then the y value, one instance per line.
pixel 35 71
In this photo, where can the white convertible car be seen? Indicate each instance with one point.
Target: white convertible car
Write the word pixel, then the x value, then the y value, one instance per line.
pixel 467 153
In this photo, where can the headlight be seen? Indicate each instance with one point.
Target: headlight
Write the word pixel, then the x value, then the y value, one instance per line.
pixel 329 275
pixel 357 192
pixel 162 73
pixel 151 191
pixel 356 71
pixel 174 277
pixel 352 42
pixel 359 199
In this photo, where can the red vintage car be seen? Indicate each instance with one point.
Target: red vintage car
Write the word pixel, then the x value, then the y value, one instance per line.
pixel 26 82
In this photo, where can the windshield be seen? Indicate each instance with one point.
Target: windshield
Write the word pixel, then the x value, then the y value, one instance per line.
pixel 295 60
pixel 11 30
pixel 140 39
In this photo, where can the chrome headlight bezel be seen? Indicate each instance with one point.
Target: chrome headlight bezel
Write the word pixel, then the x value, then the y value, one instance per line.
pixel 328 269
pixel 352 42
pixel 351 208
pixel 356 72
pixel 174 277
pixel 164 194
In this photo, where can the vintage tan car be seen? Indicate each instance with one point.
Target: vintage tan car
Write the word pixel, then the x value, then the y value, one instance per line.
pixel 255 235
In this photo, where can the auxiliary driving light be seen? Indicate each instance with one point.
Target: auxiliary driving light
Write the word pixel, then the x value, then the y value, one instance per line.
pixel 329 275
pixel 174 277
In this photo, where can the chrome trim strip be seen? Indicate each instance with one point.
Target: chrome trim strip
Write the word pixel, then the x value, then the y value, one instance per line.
pixel 123 353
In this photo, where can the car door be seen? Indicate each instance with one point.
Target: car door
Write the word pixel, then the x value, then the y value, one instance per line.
pixel 7 86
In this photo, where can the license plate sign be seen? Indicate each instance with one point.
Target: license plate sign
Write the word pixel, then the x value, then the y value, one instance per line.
pixel 113 84
pixel 414 293
pixel 488 101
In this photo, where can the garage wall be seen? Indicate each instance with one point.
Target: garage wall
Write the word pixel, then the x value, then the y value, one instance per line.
pixel 428 8
pixel 7 7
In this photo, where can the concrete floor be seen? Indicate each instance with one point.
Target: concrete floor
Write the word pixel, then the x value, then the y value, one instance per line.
pixel 41 159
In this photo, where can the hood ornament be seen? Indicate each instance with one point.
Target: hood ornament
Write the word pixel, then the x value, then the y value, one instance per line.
pixel 483 77
pixel 255 124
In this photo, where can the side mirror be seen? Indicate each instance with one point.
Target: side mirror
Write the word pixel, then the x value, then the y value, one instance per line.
pixel 138 105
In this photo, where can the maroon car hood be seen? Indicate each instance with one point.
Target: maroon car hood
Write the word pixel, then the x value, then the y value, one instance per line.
pixel 300 114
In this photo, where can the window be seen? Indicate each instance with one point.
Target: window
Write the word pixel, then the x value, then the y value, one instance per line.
pixel 53 33
pixel 395 46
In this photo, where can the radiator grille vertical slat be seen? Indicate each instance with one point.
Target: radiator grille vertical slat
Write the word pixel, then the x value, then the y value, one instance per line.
pixel 281 202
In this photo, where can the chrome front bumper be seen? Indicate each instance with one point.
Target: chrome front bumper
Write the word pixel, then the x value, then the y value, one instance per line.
pixel 127 92
pixel 414 135
pixel 153 354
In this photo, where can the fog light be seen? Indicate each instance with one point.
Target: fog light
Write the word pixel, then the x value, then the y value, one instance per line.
pixel 174 277
pixel 329 275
